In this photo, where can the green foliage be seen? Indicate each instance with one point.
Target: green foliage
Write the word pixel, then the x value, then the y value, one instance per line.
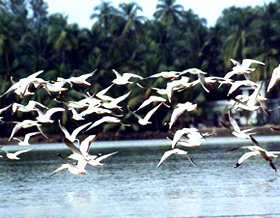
pixel 176 39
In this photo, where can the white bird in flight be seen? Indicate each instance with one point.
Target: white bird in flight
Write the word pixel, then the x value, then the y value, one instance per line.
pixel 179 133
pixel 256 151
pixel 274 78
pixel 14 156
pixel 174 151
pixel 242 134
pixel 4 109
pixel 235 85
pixel 77 152
pixel 178 85
pixel 252 102
pixel 166 74
pixel 76 169
pixel 25 142
pixel 145 121
pixel 81 154
pixel 46 117
pixel 105 119
pixel 75 115
pixel 150 100
pixel 201 76
pixel 26 124
pixel 124 79
pixel 80 80
pixel 101 94
pixel 73 136
pixel 56 87
pixel 243 68
pixel 113 104
pixel 21 87
pixel 31 106
pixel 96 161
pixel 179 110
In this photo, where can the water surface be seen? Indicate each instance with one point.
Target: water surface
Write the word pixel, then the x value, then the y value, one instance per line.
pixel 130 185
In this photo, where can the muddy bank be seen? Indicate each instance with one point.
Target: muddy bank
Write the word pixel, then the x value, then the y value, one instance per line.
pixel 111 136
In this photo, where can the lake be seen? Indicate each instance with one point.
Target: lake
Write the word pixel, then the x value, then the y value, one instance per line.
pixel 130 185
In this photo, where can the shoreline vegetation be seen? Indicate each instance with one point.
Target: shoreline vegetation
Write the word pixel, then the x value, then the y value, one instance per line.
pixel 264 130
pixel 121 41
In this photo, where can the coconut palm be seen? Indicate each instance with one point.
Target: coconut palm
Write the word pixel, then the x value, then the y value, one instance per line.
pixel 131 22
pixel 168 12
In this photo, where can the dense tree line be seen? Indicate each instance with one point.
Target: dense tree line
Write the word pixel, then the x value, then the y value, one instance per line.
pixel 31 39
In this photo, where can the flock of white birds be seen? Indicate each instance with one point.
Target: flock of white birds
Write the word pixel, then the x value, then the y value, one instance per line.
pixel 109 108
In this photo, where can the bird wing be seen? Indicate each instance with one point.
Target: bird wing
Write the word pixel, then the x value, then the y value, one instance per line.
pixel 27 136
pixel 254 141
pixel 248 130
pixel 85 144
pixel 178 135
pixel 129 75
pixel 272 165
pixel 245 157
pixel 102 120
pixel 134 114
pixel 34 75
pixel 264 108
pixel 234 86
pixel 4 108
pixel 12 88
pixel 79 129
pixel 62 167
pixel 175 114
pixel 253 98
pixel 81 164
pixel 16 128
pixel 102 157
pixel 73 148
pixel 229 74
pixel 64 130
pixel 40 113
pixel 264 155
pixel 191 160
pixel 97 123
pixel 150 100
pixel 274 78
pixel 101 93
pixel 234 62
pixel 155 75
pixel 87 75
pixel 22 151
pixel 225 125
pixel 233 122
pixel 151 112
pixel 165 156
pixel 38 103
pixel 121 98
pixel 19 140
pixel 51 111
pixel 202 81
pixel 247 62
pixel 117 73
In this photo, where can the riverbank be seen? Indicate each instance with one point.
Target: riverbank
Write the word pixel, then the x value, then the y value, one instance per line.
pixel 112 136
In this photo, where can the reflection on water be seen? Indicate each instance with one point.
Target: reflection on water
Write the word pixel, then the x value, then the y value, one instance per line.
pixel 130 185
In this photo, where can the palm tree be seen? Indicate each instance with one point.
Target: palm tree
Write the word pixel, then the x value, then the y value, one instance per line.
pixel 236 27
pixel 105 13
pixel 131 22
pixel 64 40
pixel 268 39
pixel 168 12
